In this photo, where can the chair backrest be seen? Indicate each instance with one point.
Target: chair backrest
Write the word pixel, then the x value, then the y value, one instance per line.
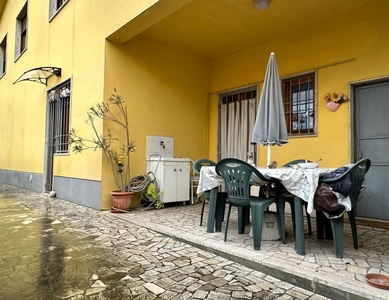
pixel 295 162
pixel 201 163
pixel 356 175
pixel 237 176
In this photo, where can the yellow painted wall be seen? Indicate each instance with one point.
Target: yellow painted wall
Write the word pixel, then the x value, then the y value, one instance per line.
pixel 79 48
pixel 360 35
pixel 161 84
pixel 166 92
pixel 21 115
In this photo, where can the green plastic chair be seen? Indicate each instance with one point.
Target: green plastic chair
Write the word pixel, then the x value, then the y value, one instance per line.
pixel 289 198
pixel 357 175
pixel 196 169
pixel 237 176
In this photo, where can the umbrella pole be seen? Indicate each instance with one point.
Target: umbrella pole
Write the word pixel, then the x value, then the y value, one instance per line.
pixel 268 155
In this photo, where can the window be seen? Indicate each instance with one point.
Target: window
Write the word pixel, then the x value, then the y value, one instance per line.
pixel 3 56
pixel 299 104
pixel 59 107
pixel 55 6
pixel 21 32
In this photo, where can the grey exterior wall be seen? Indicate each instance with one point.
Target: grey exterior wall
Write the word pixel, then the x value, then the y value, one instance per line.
pixel 80 191
pixel 26 180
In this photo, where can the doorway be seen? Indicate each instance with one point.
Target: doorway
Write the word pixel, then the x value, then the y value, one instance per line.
pixel 371 140
pixel 57 131
pixel 237 113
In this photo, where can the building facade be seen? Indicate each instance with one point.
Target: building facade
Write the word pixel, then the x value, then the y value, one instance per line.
pixel 174 61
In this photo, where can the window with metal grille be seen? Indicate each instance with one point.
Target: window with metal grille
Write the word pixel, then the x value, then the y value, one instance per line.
pixel 21 32
pixel 3 55
pixel 59 105
pixel 299 104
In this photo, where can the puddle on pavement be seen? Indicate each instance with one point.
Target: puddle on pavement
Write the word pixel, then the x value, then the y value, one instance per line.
pixel 42 259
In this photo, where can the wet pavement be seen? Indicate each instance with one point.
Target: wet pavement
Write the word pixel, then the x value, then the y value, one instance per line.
pixel 53 249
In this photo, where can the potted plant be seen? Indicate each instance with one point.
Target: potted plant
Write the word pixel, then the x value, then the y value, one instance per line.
pixel 116 153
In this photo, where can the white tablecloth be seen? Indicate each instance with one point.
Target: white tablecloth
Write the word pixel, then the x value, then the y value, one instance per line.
pixel 299 182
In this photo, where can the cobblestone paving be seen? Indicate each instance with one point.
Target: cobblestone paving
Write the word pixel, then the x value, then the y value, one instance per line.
pixel 53 249
pixel 318 270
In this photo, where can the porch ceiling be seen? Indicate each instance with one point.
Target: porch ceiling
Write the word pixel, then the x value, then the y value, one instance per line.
pixel 215 28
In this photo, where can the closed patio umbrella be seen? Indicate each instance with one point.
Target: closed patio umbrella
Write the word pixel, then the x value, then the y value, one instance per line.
pixel 270 127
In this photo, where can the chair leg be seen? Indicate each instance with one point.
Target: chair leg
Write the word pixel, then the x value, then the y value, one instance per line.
pixel 320 223
pixel 308 218
pixel 220 208
pixel 280 209
pixel 257 216
pixel 247 216
pixel 202 212
pixel 281 214
pixel 337 232
pixel 328 235
pixel 227 221
pixel 242 213
pixel 223 198
pixel 353 224
pixel 291 203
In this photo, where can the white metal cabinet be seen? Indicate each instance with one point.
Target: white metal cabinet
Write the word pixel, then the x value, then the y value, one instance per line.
pixel 172 176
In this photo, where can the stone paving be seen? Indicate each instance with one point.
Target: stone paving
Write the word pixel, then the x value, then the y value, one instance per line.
pixel 53 249
pixel 318 270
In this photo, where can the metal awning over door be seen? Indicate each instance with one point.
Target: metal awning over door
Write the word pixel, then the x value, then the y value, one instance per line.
pixel 39 75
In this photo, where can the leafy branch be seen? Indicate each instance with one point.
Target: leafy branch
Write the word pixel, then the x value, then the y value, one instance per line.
pixel 118 157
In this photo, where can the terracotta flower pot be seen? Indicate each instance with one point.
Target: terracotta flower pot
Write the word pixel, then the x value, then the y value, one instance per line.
pixel 332 106
pixel 122 200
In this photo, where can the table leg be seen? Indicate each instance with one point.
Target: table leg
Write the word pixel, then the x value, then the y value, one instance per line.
pixel 220 208
pixel 212 210
pixel 299 223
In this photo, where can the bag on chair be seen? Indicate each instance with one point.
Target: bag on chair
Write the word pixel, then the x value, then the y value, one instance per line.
pixel 325 200
pixel 342 186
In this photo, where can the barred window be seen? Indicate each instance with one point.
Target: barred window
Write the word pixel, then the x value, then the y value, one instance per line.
pixel 299 104
pixel 59 105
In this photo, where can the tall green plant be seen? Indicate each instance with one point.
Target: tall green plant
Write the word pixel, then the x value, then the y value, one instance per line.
pixel 118 156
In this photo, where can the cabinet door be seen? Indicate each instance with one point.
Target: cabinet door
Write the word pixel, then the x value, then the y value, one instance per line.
pixel 183 177
pixel 170 183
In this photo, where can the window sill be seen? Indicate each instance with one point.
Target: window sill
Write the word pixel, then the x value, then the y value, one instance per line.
pixel 20 54
pixel 310 135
